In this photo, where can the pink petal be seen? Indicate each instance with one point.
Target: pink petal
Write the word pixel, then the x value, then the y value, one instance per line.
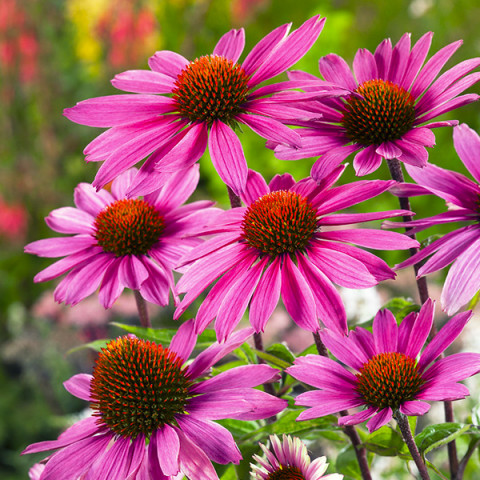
pixel 255 188
pixel 414 408
pixel 132 272
pixel 168 63
pixel 383 57
pixel 79 386
pixel 327 162
pixel 400 58
pixel 88 199
pixel 388 150
pixel 364 66
pixel 143 81
pixel 227 156
pixel 417 57
pixel 358 417
pixel 334 69
pixel 467 145
pixel 183 342
pixel 70 220
pixel 297 296
pixel 367 161
pixel 281 182
pixel 344 350
pixel 380 419
pixel 385 332
pixel 231 45
pixel 370 238
pixel 167 447
pixel 60 246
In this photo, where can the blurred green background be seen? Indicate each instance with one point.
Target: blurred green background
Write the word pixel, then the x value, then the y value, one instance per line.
pixel 54 53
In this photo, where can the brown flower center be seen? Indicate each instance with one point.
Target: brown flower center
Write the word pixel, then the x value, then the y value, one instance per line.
pixel 138 386
pixel 128 227
pixel 286 473
pixel 279 222
pixel 211 88
pixel 385 113
pixel 388 380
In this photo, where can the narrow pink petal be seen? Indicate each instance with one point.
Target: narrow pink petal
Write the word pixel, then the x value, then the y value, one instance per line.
pixel 414 408
pixel 194 462
pixel 329 161
pixel 176 190
pixel 217 351
pixel 132 272
pixel 61 266
pixel 185 152
pixel 351 218
pixel 344 350
pixel 388 150
pixel 432 67
pixel 364 66
pixel 400 58
pixel 79 386
pixel 297 296
pixel 281 182
pixel 367 161
pixel 314 398
pixel 121 184
pixel 328 304
pixel 467 145
pixel 385 332
pixel 74 460
pixel 88 199
pixel 227 156
pixel 311 147
pixel 463 279
pixel 444 338
pixel 290 50
pixel 328 403
pixel 420 330
pixel 264 48
pixel 244 376
pixel 412 153
pixel 60 246
pixel 239 403
pixel 335 69
pixel 445 107
pixel 231 45
pixel 421 135
pixel 370 238
pixel 417 57
pixel 118 109
pixel 111 287
pixel 342 269
pixel 167 63
pixel 358 417
pixel 167 447
pixel 453 368
pixel 78 431
pixel 383 57
pixel 143 81
pixel 266 296
pixel 255 188
pixel 271 129
pixel 183 342
pixel 380 419
pixel 70 220
pixel 156 287
pixel 444 392
pixel 216 441
pixel 236 300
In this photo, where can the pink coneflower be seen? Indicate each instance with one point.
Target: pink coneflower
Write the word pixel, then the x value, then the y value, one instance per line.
pixel 390 110
pixel 289 460
pixel 462 246
pixel 181 106
pixel 120 242
pixel 388 376
pixel 149 405
pixel 278 246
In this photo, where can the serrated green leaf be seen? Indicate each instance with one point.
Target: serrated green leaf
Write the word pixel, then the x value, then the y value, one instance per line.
pixel 434 436
pixel 385 441
pixel 96 345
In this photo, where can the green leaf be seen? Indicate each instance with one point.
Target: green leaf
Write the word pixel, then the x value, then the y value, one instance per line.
pixel 247 450
pixel 474 301
pixel 347 464
pixel 312 349
pixel 434 436
pixel 280 350
pixel 96 345
pixel 272 360
pixel 229 473
pixel 239 428
pixel 385 441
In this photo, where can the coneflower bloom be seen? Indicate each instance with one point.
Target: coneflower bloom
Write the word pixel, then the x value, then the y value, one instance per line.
pixel 288 459
pixel 150 406
pixel 462 246
pixel 279 245
pixel 394 98
pixel 121 242
pixel 388 373
pixel 179 107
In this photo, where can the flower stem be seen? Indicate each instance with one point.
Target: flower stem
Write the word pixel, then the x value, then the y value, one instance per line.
pixel 397 174
pixel 412 447
pixel 235 200
pixel 142 310
pixel 349 430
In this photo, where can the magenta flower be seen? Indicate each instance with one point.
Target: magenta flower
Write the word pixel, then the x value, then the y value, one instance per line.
pixel 181 106
pixel 388 377
pixel 120 242
pixel 278 245
pixel 389 113
pixel 150 406
pixel 289 460
pixel 462 246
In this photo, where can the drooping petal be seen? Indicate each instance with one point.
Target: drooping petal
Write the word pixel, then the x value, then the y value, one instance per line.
pixel 380 419
pixel 79 386
pixel 167 447
pixel 414 408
